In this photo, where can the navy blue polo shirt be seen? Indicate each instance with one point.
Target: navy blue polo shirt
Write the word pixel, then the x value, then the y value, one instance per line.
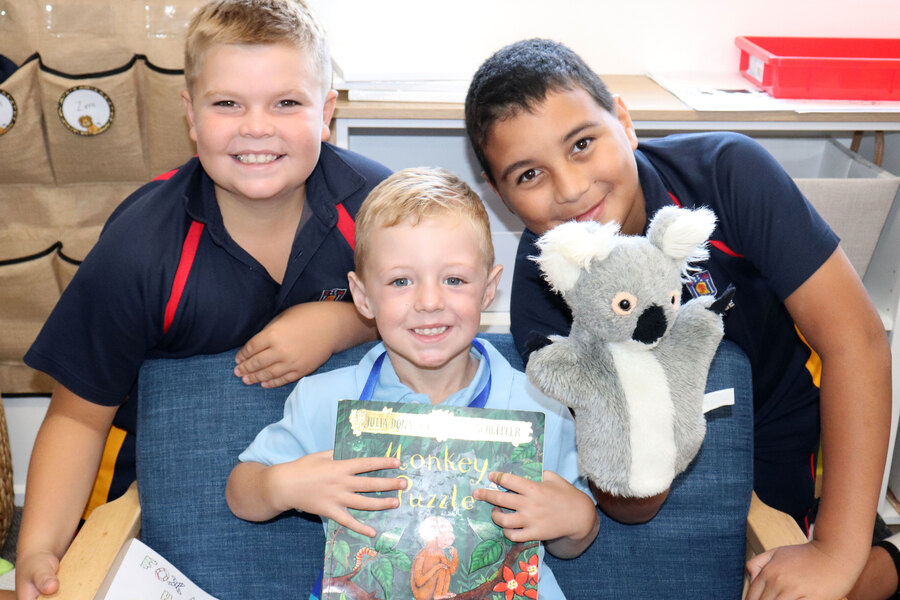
pixel 110 317
pixel 767 242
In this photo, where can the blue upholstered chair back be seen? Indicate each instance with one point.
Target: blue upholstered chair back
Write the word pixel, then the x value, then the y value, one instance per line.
pixel 195 417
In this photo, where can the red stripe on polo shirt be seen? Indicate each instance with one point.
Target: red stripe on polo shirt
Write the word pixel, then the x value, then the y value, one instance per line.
pixel 165 176
pixel 346 226
pixel 188 251
pixel 714 243
pixel 720 246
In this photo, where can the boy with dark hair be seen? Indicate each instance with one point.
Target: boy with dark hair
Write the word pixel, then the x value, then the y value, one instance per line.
pixel 200 260
pixel 424 272
pixel 556 146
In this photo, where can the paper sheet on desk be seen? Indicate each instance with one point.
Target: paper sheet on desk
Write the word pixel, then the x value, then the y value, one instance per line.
pixel 727 92
pixel 407 91
pixel 140 573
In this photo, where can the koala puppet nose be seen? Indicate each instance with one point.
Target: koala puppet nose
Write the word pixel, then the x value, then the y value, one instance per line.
pixel 651 325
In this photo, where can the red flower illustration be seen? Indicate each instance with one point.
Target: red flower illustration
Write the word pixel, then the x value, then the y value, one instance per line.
pixel 530 567
pixel 513 585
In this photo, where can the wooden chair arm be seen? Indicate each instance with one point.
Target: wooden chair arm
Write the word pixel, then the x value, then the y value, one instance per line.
pixel 768 528
pixel 89 558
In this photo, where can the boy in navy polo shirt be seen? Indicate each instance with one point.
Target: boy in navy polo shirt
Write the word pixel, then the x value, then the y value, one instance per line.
pixel 202 259
pixel 556 145
pixel 424 272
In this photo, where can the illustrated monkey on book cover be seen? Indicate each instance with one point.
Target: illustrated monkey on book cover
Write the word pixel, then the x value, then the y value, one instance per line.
pixel 431 570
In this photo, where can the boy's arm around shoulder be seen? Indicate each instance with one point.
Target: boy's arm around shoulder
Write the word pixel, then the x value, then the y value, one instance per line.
pixel 300 340
pixel 303 337
pixel 839 321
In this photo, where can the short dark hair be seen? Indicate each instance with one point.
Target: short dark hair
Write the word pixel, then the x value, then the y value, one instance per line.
pixel 519 76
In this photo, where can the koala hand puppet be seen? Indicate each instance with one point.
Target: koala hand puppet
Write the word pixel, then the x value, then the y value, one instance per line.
pixel 634 365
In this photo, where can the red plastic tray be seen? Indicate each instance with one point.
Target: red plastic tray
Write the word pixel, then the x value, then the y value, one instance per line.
pixel 822 68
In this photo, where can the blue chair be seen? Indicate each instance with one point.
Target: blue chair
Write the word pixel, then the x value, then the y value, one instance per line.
pixel 195 418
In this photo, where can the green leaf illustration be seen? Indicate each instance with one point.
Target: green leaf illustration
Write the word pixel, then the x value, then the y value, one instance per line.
pixel 388 540
pixel 487 531
pixel 485 553
pixel 341 552
pixel 384 573
pixel 400 560
pixel 532 471
pixel 523 452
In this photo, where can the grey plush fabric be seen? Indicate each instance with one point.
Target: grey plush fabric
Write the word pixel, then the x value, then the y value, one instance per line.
pixel 634 365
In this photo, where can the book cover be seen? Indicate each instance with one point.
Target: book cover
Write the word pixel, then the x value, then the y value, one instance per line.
pixel 440 542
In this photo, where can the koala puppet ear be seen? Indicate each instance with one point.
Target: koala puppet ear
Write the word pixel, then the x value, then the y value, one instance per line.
pixel 568 249
pixel 682 233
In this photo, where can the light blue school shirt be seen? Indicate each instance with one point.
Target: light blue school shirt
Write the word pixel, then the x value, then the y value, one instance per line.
pixel 310 415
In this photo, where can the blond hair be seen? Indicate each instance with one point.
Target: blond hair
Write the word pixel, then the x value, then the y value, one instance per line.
pixel 417 194
pixel 256 22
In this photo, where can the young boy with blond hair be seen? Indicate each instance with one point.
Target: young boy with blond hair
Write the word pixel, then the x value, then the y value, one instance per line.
pixel 201 260
pixel 556 146
pixel 424 272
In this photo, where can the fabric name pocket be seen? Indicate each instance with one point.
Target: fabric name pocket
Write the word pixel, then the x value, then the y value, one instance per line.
pixel 93 125
pixel 22 147
pixel 71 253
pixel 168 139
pixel 28 292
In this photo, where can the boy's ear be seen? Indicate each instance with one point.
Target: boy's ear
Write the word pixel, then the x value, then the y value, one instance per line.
pixel 624 118
pixel 327 113
pixel 360 299
pixel 189 110
pixel 490 289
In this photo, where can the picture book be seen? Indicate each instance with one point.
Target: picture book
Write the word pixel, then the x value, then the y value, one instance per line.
pixel 440 542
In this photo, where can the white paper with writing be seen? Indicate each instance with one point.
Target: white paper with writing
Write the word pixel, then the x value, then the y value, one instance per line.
pixel 142 574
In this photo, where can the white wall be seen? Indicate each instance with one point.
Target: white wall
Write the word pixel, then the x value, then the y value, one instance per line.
pixel 428 39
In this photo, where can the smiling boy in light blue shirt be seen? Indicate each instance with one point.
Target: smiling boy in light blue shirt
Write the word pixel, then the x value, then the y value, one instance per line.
pixel 424 271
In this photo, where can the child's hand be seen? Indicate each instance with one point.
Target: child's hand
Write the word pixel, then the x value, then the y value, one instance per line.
pixel 542 510
pixel 299 341
pixel 801 571
pixel 36 575
pixel 284 350
pixel 323 486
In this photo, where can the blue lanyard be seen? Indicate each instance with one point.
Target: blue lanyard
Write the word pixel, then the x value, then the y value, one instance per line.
pixel 478 401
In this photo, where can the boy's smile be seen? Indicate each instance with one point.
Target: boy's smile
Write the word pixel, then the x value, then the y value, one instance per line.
pixel 258 114
pixel 567 159
pixel 426 285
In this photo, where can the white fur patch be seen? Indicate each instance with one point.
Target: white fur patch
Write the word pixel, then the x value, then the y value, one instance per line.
pixel 685 235
pixel 650 416
pixel 568 249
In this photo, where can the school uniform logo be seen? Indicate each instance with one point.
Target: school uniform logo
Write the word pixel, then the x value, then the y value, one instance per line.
pixel 334 294
pixel 701 284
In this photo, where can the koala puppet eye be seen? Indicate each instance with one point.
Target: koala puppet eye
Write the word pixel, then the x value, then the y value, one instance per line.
pixel 674 298
pixel 623 303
